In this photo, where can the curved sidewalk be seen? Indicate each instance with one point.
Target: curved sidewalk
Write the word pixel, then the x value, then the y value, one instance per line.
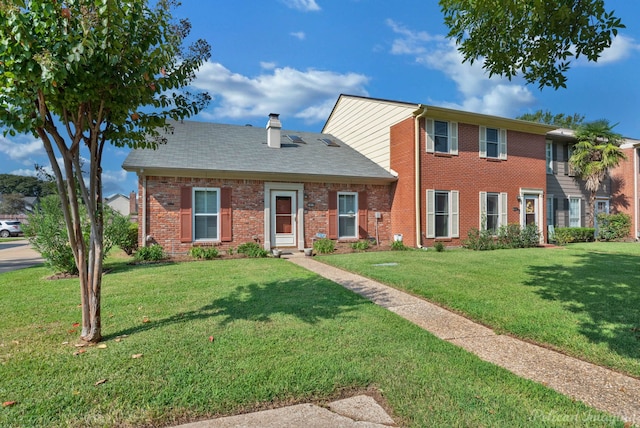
pixel 596 386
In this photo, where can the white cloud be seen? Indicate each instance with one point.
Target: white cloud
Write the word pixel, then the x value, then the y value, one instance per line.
pixel 21 149
pixel 621 48
pixel 268 65
pixel 283 90
pixel 303 5
pixel 481 94
pixel 300 35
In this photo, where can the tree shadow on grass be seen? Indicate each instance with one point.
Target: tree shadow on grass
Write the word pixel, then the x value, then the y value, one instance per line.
pixel 310 300
pixel 603 286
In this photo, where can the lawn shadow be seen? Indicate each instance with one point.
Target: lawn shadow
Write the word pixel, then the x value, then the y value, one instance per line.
pixel 310 300
pixel 603 286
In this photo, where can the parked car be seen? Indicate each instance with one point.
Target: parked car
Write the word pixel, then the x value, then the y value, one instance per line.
pixel 10 228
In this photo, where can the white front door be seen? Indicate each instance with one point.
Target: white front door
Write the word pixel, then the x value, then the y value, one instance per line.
pixel 283 218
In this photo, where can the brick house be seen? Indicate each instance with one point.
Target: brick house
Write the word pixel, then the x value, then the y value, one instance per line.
pixel 459 170
pixel 226 185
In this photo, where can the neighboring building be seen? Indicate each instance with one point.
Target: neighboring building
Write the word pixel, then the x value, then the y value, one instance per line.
pixel 125 205
pixel 30 204
pixel 459 170
pixel 225 185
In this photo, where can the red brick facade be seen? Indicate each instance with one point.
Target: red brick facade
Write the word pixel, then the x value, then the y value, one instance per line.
pixel 162 210
pixel 466 173
pixel 623 182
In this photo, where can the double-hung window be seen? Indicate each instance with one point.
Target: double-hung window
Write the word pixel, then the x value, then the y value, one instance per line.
pixel 493 211
pixel 493 143
pixel 442 214
pixel 442 137
pixel 549 157
pixel 347 215
pixel 574 211
pixel 206 214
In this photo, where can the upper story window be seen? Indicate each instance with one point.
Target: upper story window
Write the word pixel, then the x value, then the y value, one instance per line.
pixel 493 143
pixel 442 137
pixel 549 157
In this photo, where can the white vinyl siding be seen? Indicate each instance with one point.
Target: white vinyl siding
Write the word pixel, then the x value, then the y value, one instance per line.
pixel 493 210
pixel 493 143
pixel 443 214
pixel 442 137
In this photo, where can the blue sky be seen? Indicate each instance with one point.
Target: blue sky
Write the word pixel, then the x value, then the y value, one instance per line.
pixel 295 57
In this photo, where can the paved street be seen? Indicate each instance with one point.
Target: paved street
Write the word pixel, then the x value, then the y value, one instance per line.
pixel 17 255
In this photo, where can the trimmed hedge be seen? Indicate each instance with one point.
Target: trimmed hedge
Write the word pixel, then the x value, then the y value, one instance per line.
pixel 613 226
pixel 567 235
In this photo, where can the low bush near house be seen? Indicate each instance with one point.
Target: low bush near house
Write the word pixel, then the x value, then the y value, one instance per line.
pixel 439 247
pixel 203 253
pixel 567 235
pixel 398 246
pixel 324 246
pixel 360 245
pixel 252 250
pixel 152 253
pixel 613 226
pixel 479 240
pixel 123 233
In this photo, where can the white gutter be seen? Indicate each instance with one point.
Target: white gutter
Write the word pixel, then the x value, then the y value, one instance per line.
pixel 635 190
pixel 144 208
pixel 420 113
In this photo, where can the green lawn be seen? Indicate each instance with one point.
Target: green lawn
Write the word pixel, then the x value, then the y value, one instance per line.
pixel 583 299
pixel 281 335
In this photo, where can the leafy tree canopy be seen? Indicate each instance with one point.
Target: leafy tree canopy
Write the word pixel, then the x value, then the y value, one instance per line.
pixel 560 120
pixel 535 38
pixel 25 186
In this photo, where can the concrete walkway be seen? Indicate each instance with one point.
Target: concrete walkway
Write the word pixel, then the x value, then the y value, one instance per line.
pixel 596 386
pixel 18 255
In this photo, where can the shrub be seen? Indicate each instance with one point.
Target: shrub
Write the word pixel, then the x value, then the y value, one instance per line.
pixel 439 247
pixel 203 253
pixel 360 245
pixel 567 235
pixel 47 232
pixel 479 240
pixel 613 226
pixel 398 246
pixel 121 232
pixel 324 246
pixel 252 250
pixel 152 253
pixel 514 236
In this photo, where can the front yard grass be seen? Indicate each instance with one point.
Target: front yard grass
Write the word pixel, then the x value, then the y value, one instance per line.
pixel 582 299
pixel 222 337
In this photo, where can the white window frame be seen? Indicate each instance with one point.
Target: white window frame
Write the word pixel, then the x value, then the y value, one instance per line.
pixel 194 214
pixel 502 143
pixel 579 218
pixel 551 217
pixel 454 213
pixel 452 136
pixel 549 156
pixel 354 215
pixel 502 209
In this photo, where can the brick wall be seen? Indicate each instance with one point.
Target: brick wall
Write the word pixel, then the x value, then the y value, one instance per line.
pixel 402 156
pixel 623 197
pixel 163 208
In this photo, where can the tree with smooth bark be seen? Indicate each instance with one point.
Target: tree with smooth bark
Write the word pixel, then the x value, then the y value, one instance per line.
pixel 537 39
pixel 595 154
pixel 79 74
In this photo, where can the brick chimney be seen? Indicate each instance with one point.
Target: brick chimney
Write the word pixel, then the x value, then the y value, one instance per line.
pixel 273 131
pixel 133 203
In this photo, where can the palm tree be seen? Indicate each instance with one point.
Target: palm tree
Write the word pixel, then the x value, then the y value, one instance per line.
pixel 594 155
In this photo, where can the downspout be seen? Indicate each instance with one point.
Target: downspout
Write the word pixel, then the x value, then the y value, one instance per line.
pixel 636 153
pixel 144 208
pixel 418 114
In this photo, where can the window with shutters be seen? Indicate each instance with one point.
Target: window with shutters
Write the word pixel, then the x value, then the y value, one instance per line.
pixel 549 157
pixel 206 215
pixel 347 215
pixel 493 211
pixel 442 137
pixel 493 143
pixel 442 214
pixel 574 212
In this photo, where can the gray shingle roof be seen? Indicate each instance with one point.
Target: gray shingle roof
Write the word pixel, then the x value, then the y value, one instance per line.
pixel 199 147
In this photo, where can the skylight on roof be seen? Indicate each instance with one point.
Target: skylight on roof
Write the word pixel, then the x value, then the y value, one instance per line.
pixel 329 142
pixel 296 139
